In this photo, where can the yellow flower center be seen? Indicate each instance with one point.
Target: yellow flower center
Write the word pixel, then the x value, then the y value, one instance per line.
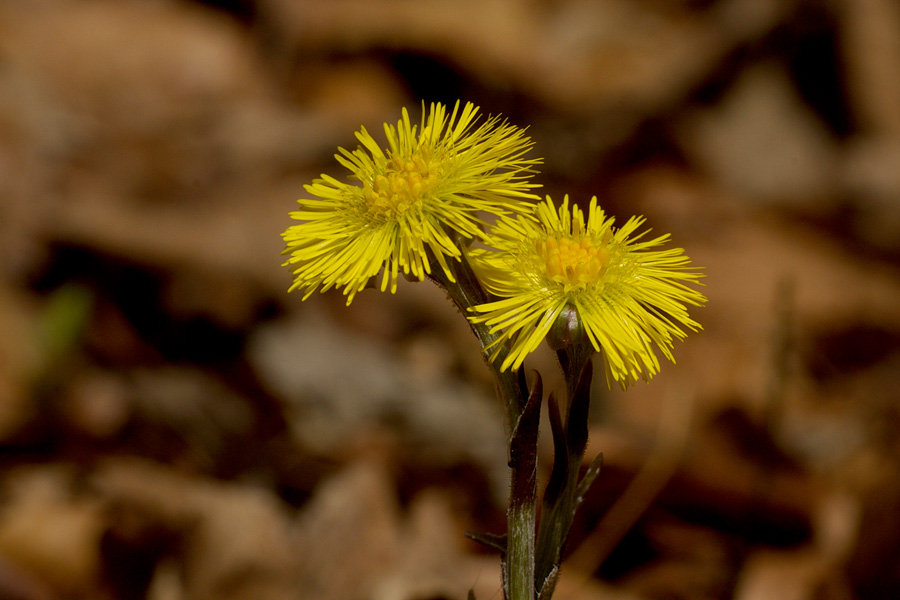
pixel 573 263
pixel 405 184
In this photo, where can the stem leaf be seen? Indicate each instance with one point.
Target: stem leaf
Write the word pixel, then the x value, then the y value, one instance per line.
pixel 549 584
pixel 490 540
pixel 587 480
pixel 523 446
pixel 577 421
pixel 559 473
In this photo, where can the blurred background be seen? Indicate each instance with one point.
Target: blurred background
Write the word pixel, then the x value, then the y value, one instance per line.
pixel 174 425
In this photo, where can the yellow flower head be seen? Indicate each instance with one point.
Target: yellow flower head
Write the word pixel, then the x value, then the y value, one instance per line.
pixel 628 295
pixel 411 202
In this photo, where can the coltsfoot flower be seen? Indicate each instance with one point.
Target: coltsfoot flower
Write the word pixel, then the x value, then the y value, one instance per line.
pixel 411 202
pixel 629 295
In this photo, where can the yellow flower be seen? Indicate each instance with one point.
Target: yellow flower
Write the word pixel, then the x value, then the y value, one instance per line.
pixel 628 294
pixel 411 202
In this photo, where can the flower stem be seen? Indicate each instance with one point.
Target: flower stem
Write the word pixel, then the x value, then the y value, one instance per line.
pixel 522 419
pixel 465 293
pixel 520 522
pixel 570 440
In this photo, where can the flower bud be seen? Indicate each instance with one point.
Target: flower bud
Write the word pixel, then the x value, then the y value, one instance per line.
pixel 567 330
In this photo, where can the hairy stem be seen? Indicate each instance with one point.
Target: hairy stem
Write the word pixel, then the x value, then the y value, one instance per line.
pixel 522 418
